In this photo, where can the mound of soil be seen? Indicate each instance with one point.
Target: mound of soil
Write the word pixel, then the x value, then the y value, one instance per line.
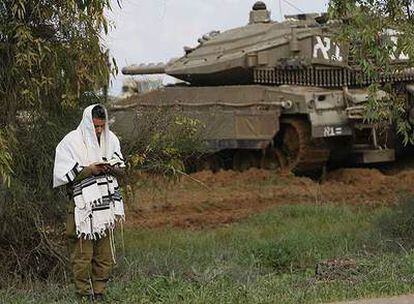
pixel 207 199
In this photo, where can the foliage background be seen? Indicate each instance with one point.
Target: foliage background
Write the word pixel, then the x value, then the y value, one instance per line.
pixel 50 53
pixel 381 32
pixel 162 142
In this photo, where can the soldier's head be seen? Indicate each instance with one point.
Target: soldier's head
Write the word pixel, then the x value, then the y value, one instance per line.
pixel 99 119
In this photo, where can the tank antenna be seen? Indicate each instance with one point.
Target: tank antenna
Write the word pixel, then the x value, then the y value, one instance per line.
pixel 292 5
pixel 280 10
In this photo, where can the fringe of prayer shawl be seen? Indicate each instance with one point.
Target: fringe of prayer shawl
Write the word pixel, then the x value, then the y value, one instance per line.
pixel 98 205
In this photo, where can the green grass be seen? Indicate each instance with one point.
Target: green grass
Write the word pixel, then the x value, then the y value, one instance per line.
pixel 268 258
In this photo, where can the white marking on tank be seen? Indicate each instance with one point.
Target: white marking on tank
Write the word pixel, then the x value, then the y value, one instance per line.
pixel 394 39
pixel 332 131
pixel 337 56
pixel 321 46
pixel 328 131
pixel 324 46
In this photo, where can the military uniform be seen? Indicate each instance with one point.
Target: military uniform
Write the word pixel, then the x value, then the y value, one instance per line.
pixel 91 260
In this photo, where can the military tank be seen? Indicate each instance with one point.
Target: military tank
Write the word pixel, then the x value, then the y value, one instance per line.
pixel 272 95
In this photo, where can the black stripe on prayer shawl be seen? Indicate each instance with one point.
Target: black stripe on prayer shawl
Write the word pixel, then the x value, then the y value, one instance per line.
pixel 119 156
pixel 98 202
pixel 86 182
pixel 89 179
pixel 68 178
pixel 77 187
pixel 106 199
pixel 71 175
pixel 77 193
pixel 105 182
pixel 100 208
pixel 75 169
pixel 117 196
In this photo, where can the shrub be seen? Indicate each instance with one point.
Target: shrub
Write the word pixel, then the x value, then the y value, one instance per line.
pixel 160 141
pixel 280 256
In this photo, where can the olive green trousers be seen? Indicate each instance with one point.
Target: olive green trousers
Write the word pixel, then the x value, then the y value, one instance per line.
pixel 91 260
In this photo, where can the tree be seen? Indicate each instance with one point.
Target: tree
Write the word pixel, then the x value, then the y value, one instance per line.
pixel 380 38
pixel 50 54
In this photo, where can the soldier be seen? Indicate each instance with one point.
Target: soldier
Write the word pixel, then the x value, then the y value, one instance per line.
pixel 88 160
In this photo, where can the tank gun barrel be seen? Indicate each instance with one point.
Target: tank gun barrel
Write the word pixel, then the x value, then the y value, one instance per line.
pixel 144 69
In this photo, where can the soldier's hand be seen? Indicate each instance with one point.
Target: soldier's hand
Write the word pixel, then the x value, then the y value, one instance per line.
pixel 97 168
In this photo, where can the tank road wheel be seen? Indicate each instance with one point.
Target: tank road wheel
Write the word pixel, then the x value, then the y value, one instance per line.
pixel 273 159
pixel 296 150
pixel 245 159
pixel 291 142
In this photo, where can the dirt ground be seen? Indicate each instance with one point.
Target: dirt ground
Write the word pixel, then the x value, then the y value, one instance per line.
pixel 207 199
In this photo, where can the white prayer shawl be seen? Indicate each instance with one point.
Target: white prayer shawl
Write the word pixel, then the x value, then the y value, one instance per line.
pixel 98 201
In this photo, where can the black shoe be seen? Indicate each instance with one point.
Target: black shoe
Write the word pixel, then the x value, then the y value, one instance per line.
pixel 85 298
pixel 99 297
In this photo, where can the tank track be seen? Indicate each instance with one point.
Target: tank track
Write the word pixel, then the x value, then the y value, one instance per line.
pixel 297 151
pixel 293 149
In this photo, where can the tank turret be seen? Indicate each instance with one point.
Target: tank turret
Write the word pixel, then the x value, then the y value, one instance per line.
pixel 298 51
pixel 235 56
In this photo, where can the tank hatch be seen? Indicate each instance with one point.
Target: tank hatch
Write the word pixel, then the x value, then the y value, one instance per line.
pixel 259 13
pixel 303 17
